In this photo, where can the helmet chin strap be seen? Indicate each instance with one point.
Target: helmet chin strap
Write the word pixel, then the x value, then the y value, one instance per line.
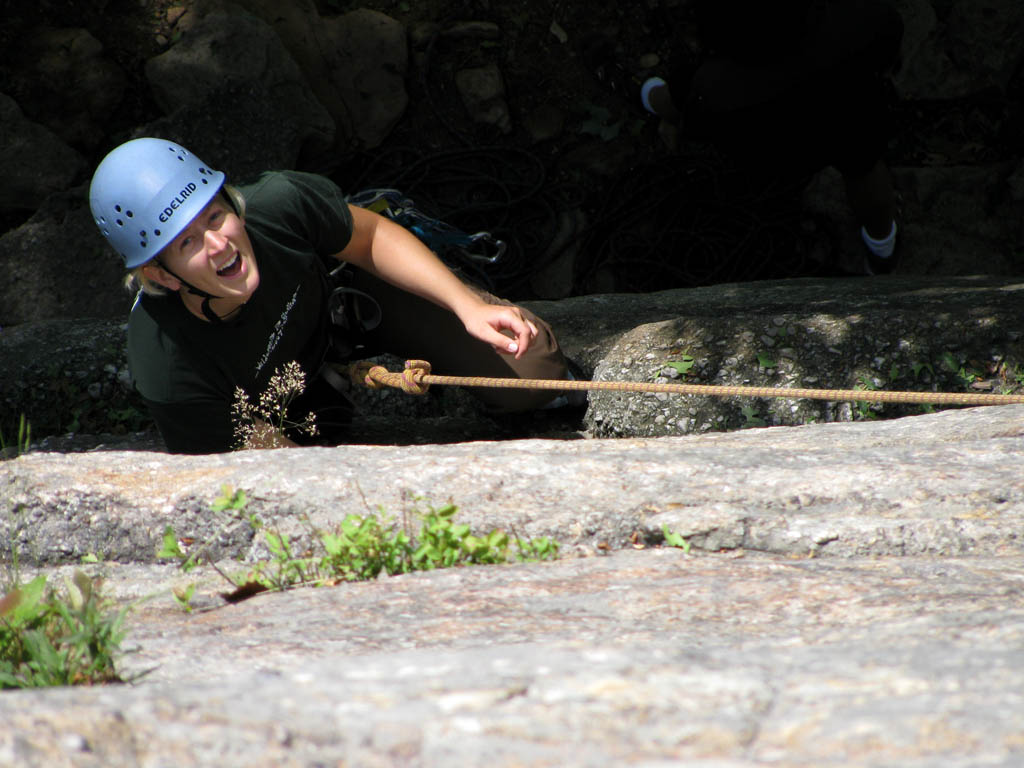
pixel 205 307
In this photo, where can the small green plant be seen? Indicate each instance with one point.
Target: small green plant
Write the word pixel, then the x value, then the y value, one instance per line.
pixel 864 408
pixel 681 366
pixel 171 550
pixel 285 568
pixel 918 368
pixel 765 361
pixel 537 549
pixel 24 440
pixel 443 543
pixel 673 539
pixel 966 373
pixel 1011 380
pixel 751 418
pixel 362 547
pixel 48 639
pixel 183 596
pixel 949 362
pixel 969 374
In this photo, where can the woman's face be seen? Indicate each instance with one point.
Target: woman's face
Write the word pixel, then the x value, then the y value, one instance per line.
pixel 214 254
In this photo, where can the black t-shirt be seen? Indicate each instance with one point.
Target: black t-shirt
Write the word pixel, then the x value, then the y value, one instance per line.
pixel 187 369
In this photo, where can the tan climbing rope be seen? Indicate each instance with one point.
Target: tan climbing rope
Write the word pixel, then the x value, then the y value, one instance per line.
pixel 416 378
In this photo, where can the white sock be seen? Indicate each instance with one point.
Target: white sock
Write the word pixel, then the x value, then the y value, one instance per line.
pixel 645 92
pixel 881 248
pixel 561 400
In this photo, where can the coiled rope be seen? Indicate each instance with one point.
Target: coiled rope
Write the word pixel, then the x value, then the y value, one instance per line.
pixel 416 379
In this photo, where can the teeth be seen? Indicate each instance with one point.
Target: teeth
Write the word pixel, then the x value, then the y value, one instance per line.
pixel 230 263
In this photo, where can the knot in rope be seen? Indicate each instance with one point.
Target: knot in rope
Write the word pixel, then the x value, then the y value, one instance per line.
pixel 409 380
pixel 412 377
pixel 366 373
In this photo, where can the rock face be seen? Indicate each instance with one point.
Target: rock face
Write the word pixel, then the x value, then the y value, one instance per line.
pixel 196 72
pixel 942 484
pixel 852 590
pixel 895 333
pixel 37 162
pixel 873 335
pixel 852 596
pixel 958 61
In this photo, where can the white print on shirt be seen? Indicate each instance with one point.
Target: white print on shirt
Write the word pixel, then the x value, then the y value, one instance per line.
pixel 277 333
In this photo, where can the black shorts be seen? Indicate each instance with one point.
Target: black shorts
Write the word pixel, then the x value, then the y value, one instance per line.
pixel 821 99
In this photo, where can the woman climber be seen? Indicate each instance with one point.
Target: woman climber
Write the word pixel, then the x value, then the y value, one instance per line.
pixel 238 283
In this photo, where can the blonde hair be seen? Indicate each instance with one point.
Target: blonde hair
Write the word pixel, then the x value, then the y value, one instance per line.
pixel 136 281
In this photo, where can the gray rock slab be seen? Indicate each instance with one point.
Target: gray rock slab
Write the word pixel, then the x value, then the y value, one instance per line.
pixel 854 595
pixel 946 484
pixel 645 658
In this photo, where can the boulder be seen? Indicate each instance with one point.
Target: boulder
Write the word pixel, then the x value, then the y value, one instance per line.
pixel 66 81
pixel 67 377
pixel 355 63
pixel 258 133
pixel 950 49
pixel 232 50
pixel 35 161
pixel 895 334
pixel 57 266
pixel 483 94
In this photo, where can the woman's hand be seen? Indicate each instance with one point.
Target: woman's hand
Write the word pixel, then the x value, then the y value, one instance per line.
pixel 383 248
pixel 501 326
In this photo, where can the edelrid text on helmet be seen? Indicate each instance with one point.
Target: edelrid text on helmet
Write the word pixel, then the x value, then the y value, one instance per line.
pixel 177 202
pixel 145 192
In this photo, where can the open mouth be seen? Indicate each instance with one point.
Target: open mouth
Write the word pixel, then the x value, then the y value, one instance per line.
pixel 232 268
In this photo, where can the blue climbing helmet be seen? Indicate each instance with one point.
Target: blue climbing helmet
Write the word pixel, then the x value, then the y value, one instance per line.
pixel 145 192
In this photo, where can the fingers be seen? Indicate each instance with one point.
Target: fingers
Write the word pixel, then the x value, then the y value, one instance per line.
pixel 505 329
pixel 524 331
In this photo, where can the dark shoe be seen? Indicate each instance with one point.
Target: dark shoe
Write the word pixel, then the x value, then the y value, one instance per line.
pixel 876 265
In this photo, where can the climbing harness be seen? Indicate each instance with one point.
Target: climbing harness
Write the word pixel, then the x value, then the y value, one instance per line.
pixel 442 238
pixel 416 379
pixel 504 190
